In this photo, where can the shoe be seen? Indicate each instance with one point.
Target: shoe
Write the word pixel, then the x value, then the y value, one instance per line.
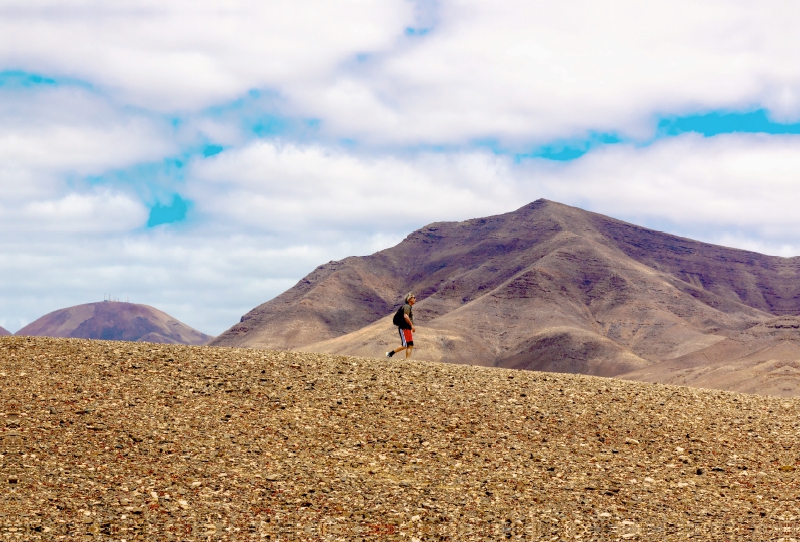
pixel 390 353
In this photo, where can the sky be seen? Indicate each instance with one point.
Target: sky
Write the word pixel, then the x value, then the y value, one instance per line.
pixel 202 157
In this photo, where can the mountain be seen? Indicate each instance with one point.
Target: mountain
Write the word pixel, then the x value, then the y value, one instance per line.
pixel 546 287
pixel 115 321
pixel 4 331
pixel 763 359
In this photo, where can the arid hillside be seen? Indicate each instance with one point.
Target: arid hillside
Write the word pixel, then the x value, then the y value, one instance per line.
pixel 113 320
pixel 4 331
pixel 164 442
pixel 763 359
pixel 547 287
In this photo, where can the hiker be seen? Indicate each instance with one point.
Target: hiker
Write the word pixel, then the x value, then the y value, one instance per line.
pixel 404 320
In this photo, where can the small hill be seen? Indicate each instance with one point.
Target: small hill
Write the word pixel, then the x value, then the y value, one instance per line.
pixel 763 359
pixel 4 331
pixel 546 287
pixel 243 444
pixel 115 321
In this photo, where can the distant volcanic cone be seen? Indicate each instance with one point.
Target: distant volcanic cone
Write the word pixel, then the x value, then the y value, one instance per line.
pixel 115 321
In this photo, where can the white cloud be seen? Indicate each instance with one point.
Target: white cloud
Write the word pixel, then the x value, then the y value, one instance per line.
pixel 728 182
pixel 51 135
pixel 273 212
pixel 736 189
pixel 279 187
pixel 267 212
pixel 96 211
pixel 528 72
pixel 516 71
pixel 207 282
pixel 184 55
pixel 52 140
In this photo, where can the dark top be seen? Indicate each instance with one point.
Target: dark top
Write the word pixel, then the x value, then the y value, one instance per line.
pixel 407 310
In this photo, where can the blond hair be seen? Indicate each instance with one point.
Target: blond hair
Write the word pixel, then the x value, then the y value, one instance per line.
pixel 409 296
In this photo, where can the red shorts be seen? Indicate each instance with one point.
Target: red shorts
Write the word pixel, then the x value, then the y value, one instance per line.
pixel 406 338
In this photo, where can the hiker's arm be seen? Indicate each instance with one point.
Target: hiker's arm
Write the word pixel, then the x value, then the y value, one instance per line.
pixel 409 322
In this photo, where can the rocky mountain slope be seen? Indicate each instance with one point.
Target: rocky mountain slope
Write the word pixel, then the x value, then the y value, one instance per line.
pixel 762 359
pixel 546 287
pixel 113 320
pixel 105 438
pixel 4 331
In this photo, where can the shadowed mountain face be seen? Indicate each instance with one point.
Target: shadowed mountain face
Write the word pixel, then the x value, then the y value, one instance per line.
pixel 4 331
pixel 547 287
pixel 115 321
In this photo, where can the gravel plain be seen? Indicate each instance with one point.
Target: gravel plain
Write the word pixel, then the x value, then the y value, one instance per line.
pixel 136 441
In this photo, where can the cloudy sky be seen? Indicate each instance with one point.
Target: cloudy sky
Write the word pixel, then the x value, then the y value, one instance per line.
pixel 202 156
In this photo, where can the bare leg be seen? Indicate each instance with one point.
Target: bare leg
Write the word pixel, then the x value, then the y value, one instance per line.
pixel 408 351
pixel 399 349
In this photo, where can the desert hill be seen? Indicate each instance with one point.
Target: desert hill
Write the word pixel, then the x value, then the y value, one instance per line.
pixel 105 437
pixel 547 287
pixel 114 320
pixel 4 331
pixel 763 359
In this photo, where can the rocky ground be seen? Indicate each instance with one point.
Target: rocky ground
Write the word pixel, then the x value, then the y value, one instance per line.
pixel 129 441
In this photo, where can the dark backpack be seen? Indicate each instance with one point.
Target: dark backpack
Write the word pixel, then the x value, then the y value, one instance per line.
pixel 399 318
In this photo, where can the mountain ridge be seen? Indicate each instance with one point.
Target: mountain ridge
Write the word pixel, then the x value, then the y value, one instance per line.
pixel 547 286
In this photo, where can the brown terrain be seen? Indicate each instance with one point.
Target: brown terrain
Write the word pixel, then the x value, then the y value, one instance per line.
pixel 553 288
pixel 114 320
pixel 762 359
pixel 4 331
pixel 110 440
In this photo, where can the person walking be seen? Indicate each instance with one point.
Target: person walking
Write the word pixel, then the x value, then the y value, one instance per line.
pixel 405 327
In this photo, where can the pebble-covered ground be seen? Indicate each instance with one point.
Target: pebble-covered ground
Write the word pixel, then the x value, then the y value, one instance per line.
pixel 133 441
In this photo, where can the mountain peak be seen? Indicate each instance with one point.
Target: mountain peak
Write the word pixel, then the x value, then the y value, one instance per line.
pixel 548 287
pixel 117 321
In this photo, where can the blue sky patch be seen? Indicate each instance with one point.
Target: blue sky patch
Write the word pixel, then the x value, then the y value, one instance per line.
pixel 410 31
pixel 570 149
pixel 167 214
pixel 212 150
pixel 150 180
pixel 20 79
pixel 269 126
pixel 257 113
pixel 708 124
pixel 722 122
